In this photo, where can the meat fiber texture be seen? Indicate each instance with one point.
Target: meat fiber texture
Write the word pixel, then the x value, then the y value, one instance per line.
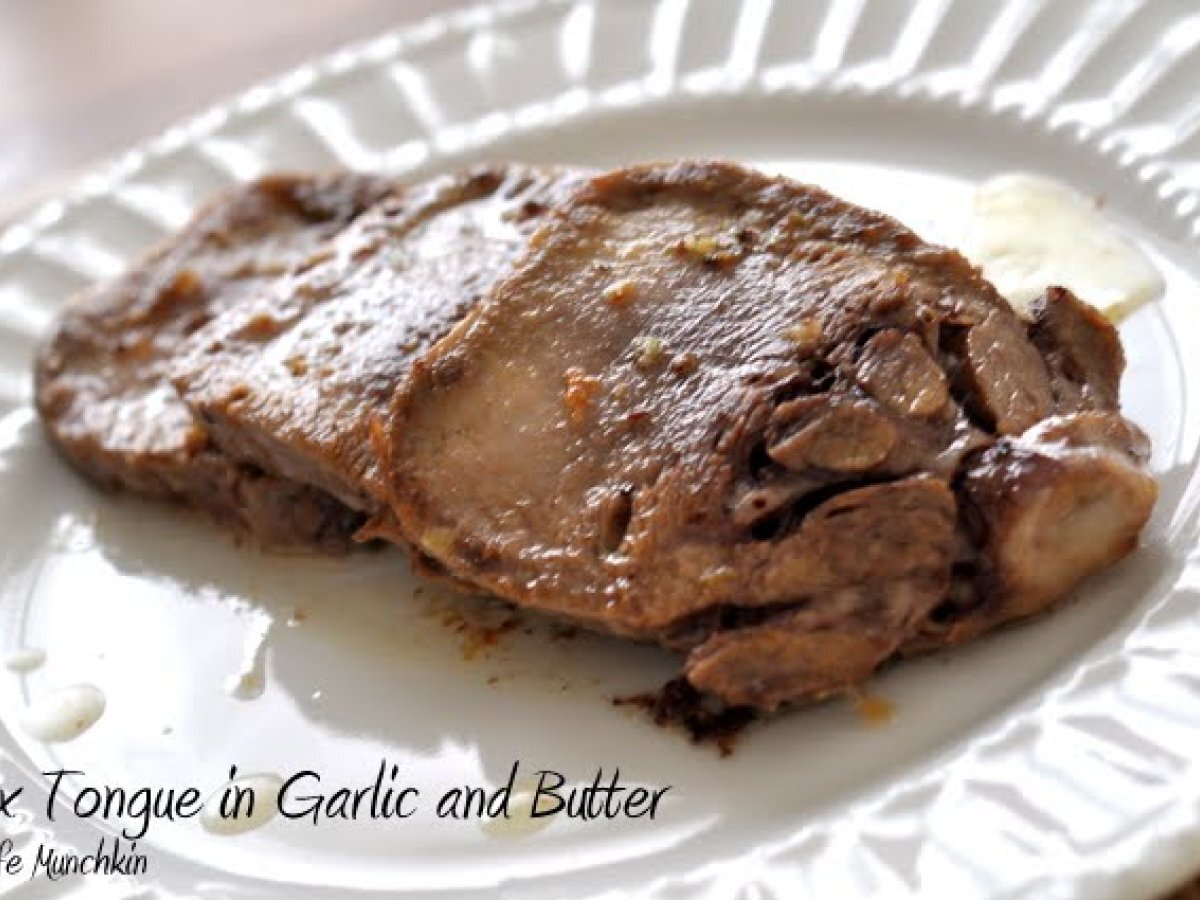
pixel 238 367
pixel 767 428
pixel 102 380
pixel 296 380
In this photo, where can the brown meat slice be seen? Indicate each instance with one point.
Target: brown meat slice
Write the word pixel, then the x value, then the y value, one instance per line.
pixel 725 412
pixel 840 436
pixel 1063 500
pixel 1056 513
pixel 870 564
pixel 1007 382
pixel 293 381
pixel 1082 349
pixel 897 369
pixel 102 380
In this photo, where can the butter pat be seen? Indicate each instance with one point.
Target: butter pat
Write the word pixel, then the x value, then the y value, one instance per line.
pixel 1028 232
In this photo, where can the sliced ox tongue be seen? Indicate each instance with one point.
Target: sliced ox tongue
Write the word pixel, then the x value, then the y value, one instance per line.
pixel 103 379
pixel 294 380
pixel 746 419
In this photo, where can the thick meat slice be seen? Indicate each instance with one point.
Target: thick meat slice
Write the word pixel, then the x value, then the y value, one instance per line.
pixel 102 381
pixel 1055 512
pixel 1067 497
pixel 1063 500
pixel 293 381
pixel 725 412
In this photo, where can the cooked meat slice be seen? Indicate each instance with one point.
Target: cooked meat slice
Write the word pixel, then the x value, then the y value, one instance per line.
pixel 782 503
pixel 1064 500
pixel 1082 349
pixel 883 533
pixel 754 506
pixel 848 436
pixel 898 370
pixel 1099 430
pixel 293 381
pixel 764 666
pixel 102 380
pixel 1005 378
pixel 1056 514
pixel 868 567
pixel 810 654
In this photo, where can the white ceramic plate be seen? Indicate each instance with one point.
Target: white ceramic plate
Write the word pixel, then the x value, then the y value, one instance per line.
pixel 1054 760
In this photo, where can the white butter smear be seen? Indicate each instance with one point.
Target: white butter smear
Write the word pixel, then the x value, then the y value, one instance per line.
pixel 24 660
pixel 249 682
pixel 65 714
pixel 520 821
pixel 243 815
pixel 1028 232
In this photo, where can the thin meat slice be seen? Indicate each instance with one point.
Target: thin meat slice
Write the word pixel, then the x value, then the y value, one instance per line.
pixel 870 565
pixel 838 436
pixel 1007 381
pixel 1082 349
pixel 293 381
pixel 731 413
pixel 103 379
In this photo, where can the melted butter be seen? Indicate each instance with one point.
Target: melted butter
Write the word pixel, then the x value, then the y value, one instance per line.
pixel 1028 233
pixel 874 710
pixel 265 788
pixel 26 659
pixel 520 822
pixel 250 680
pixel 65 714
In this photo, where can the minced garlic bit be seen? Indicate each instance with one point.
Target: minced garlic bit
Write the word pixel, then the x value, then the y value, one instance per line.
pixel 259 326
pixel 185 283
pixel 700 245
pixel 685 364
pixel 581 391
pixel 321 254
pixel 805 334
pixel 297 366
pixel 712 250
pixel 874 710
pixel 620 293
pixel 718 578
pixel 438 542
pixel 652 352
